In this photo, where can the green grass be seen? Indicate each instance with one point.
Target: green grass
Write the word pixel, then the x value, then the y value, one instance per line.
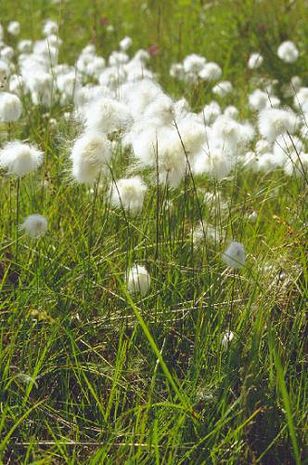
pixel 93 375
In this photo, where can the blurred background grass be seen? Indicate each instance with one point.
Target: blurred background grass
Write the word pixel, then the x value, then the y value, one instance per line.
pixel 226 31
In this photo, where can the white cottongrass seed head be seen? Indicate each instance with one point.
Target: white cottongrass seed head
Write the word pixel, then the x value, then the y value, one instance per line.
pixel 35 225
pixel 138 280
pixel 10 107
pixel 90 156
pixel 255 61
pixel 288 52
pixel 14 28
pixel 275 121
pixel 222 88
pixel 125 43
pixel 128 193
pixel 234 256
pixel 227 339
pixel 19 159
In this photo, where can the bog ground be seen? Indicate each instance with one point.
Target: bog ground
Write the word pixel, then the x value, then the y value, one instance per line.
pixel 153 192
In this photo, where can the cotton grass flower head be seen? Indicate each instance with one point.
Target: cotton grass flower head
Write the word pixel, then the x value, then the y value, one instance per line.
pixel 290 89
pixel 285 145
pixel 258 100
pixel 227 339
pixel 301 100
pixel 7 53
pixel 252 217
pixel 250 161
pixel 128 193
pixel 193 64
pixel 139 95
pixel 268 162
pixel 212 161
pixel 274 121
pixel 35 226
pixel 161 150
pixel 296 164
pixel 288 52
pixel 167 147
pixel 255 61
pixel 263 146
pixel 206 232
pixel 177 71
pixel 125 43
pixel 19 158
pixel 25 46
pixel 14 28
pixel 161 111
pixel 210 112
pixel 118 59
pixel 107 115
pixel 231 112
pixel 90 156
pixel 50 27
pixel 95 67
pixel 138 280
pixel 222 88
pixel 16 85
pixel 10 107
pixel 231 134
pixel 234 256
pixel 40 85
pixel 210 72
pixel 296 83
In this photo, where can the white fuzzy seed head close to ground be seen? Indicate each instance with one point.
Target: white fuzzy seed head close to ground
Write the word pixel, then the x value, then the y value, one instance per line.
pixel 227 339
pixel 35 226
pixel 234 256
pixel 138 280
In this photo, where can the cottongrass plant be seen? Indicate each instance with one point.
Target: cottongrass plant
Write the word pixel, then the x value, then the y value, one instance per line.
pixel 19 159
pixel 155 314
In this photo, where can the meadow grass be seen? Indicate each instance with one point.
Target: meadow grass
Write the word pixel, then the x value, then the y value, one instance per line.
pixel 93 375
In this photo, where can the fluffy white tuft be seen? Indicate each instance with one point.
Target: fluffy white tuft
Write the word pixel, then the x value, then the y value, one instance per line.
pixel 19 159
pixel 222 88
pixel 35 225
pixel 14 28
pixel 138 280
pixel 288 52
pixel 234 256
pixel 10 107
pixel 107 115
pixel 128 193
pixel 255 61
pixel 90 155
pixel 273 122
